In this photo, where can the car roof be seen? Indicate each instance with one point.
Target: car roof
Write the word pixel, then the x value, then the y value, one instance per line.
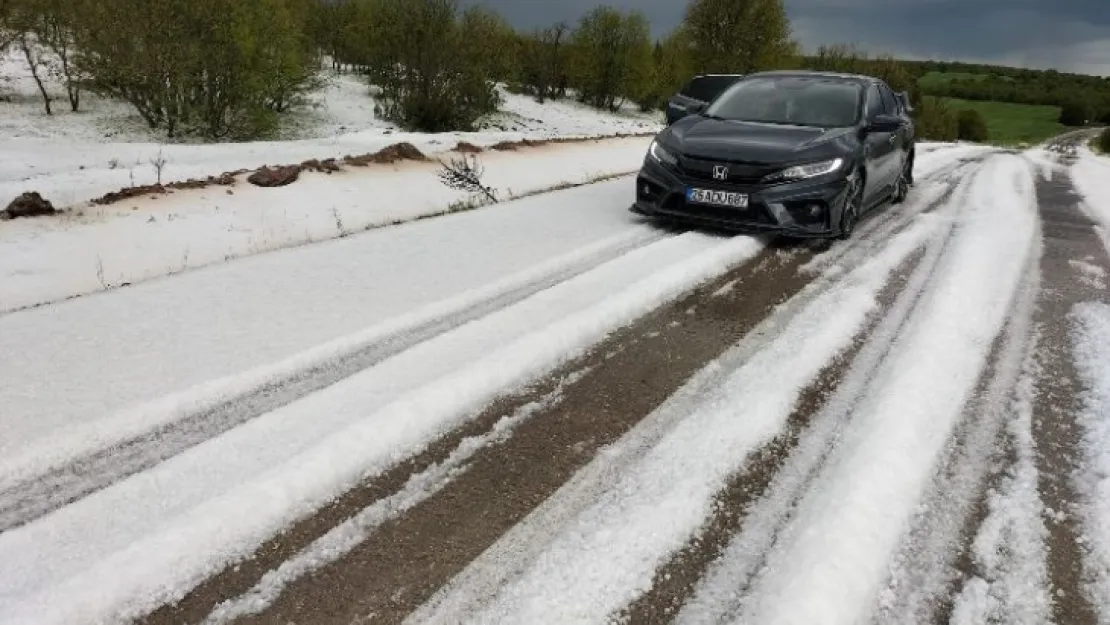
pixel 859 78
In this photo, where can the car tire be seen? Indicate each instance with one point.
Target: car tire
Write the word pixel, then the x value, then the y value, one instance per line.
pixel 853 207
pixel 902 185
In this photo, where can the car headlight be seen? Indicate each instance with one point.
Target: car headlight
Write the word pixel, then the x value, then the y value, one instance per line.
pixel 660 154
pixel 809 170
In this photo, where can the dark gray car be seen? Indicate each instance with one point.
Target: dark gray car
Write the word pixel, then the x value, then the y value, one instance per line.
pixel 699 92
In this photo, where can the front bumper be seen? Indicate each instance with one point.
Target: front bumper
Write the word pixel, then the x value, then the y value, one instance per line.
pixel 806 208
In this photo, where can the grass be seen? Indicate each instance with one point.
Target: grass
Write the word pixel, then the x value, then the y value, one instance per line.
pixel 1012 124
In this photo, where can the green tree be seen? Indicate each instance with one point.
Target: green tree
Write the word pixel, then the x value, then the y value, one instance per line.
pixel 431 79
pixel 486 43
pixel 673 64
pixel 542 71
pixel 971 126
pixel 610 57
pixel 741 36
pixel 219 68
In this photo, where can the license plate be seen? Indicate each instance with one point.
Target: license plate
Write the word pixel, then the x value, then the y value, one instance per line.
pixel 717 198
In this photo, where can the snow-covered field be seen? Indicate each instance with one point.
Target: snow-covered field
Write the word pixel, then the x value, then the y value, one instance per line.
pixel 874 438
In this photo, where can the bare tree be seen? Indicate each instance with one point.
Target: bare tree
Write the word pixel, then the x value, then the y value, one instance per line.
pixel 37 63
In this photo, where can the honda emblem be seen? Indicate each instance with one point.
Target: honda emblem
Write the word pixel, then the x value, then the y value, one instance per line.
pixel 720 172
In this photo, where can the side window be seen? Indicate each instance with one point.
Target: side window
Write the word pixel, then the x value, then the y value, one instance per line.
pixel 889 102
pixel 874 102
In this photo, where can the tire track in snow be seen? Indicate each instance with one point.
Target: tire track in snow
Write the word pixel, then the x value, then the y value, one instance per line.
pixel 717 596
pixel 829 562
pixel 932 189
pixel 1069 234
pixel 28 500
pixel 821 408
pixel 399 564
pixel 937 556
pixel 550 532
pixel 128 549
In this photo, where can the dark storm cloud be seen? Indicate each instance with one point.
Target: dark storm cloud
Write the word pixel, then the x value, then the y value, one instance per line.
pixel 1071 35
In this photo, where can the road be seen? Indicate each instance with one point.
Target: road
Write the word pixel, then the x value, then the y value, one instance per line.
pixel 504 417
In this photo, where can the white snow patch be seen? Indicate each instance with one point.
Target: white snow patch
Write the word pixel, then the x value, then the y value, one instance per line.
pixel 1092 356
pixel 123 551
pixel 831 562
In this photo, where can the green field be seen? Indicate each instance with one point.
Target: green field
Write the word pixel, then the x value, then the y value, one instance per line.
pixel 1011 124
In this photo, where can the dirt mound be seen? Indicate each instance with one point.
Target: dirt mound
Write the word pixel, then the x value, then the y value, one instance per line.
pixel 30 204
pixel 392 154
pixel 275 176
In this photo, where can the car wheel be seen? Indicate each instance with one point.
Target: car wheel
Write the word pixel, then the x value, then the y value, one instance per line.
pixel 902 186
pixel 853 204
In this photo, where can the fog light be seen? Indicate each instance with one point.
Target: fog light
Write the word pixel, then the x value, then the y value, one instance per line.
pixel 815 210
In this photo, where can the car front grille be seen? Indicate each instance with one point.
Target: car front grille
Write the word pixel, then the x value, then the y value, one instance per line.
pixel 738 173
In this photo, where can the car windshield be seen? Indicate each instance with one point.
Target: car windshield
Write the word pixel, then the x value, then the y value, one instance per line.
pixel 799 101
pixel 707 88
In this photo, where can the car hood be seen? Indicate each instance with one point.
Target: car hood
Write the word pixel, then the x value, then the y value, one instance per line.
pixel 769 144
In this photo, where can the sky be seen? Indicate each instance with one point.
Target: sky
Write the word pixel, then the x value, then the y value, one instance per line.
pixel 1069 35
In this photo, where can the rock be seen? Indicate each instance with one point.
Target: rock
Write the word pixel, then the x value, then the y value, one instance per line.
pixel 275 176
pixel 29 204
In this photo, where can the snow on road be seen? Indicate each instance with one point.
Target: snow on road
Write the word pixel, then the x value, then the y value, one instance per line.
pixel 607 555
pixel 185 519
pixel 832 562
pixel 468 307
pixel 165 339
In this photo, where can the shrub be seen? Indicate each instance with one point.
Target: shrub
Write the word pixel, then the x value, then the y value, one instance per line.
pixel 971 126
pixel 1103 141
pixel 1075 113
pixel 936 121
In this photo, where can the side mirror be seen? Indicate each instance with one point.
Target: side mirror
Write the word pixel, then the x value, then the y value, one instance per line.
pixel 884 123
pixel 696 108
pixel 904 97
